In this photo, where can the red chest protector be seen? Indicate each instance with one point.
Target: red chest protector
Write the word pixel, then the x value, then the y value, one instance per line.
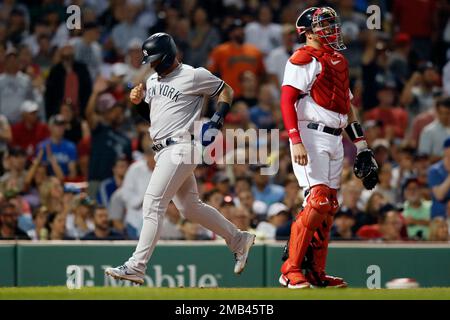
pixel 331 88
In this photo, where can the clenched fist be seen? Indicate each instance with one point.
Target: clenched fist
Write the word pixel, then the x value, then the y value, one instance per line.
pixel 137 94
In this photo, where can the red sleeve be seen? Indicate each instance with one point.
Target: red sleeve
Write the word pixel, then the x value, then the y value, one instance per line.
pixel 289 95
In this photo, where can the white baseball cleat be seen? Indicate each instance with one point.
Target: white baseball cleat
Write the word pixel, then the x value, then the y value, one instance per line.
pixel 285 282
pixel 125 273
pixel 241 254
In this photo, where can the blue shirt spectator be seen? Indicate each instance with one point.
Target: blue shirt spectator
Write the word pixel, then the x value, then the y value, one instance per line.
pixel 63 151
pixel 105 191
pixel 262 115
pixel 110 185
pixel 265 191
pixel 270 194
pixel 434 134
pixel 263 119
pixel 439 182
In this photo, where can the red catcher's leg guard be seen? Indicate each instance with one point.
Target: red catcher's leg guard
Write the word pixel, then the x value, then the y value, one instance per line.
pixel 302 229
pixel 317 275
pixel 323 234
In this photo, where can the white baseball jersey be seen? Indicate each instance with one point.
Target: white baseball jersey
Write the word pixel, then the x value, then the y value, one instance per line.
pixel 302 77
pixel 176 100
pixel 325 151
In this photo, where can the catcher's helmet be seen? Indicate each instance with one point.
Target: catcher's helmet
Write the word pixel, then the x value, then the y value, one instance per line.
pixel 159 46
pixel 304 20
pixel 323 22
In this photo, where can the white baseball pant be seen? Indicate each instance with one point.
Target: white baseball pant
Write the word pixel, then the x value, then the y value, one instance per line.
pixel 325 158
pixel 172 179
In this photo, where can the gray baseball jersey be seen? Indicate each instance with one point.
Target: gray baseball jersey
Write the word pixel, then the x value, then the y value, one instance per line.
pixel 176 100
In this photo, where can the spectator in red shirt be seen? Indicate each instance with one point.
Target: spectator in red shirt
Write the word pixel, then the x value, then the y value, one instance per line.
pixel 418 18
pixel 388 228
pixel 28 132
pixel 394 119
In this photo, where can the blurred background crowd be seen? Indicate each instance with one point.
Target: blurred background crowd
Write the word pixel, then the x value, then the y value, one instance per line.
pixel 76 157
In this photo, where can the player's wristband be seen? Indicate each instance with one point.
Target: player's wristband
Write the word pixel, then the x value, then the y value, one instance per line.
pixel 356 134
pixel 295 137
pixel 222 109
pixel 355 131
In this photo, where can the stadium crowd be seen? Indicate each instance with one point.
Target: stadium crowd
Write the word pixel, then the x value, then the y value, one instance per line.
pixel 76 157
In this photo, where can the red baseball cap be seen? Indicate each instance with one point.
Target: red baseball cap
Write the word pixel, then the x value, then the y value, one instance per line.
pixel 402 38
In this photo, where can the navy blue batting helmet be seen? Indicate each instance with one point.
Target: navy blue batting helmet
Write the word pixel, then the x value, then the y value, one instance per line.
pixel 159 46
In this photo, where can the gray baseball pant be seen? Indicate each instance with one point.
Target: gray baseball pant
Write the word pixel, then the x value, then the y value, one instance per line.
pixel 172 179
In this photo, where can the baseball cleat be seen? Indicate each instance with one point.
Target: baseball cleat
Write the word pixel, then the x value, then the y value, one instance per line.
pixel 125 273
pixel 322 280
pixel 241 254
pixel 283 280
pixel 298 281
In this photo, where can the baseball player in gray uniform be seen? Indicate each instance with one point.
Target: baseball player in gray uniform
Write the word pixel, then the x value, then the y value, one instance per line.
pixel 175 94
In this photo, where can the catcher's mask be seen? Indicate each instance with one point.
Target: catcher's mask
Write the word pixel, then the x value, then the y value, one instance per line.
pixel 326 24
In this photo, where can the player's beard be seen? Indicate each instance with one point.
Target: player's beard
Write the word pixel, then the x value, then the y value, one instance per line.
pixel 102 227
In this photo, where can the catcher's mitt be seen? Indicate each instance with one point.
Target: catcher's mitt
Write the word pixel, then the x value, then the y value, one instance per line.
pixel 366 169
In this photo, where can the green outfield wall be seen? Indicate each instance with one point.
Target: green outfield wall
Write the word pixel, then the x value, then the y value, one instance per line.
pixel 7 264
pixel 358 263
pixel 210 264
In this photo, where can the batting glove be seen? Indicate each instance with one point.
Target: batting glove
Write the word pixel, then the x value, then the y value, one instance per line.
pixel 215 123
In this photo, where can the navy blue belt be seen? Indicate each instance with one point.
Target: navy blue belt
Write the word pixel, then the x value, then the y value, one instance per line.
pixel 167 142
pixel 316 126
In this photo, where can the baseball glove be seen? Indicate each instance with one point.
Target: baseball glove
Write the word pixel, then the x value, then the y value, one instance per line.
pixel 366 169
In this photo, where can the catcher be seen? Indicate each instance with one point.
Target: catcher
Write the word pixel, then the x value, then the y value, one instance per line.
pixel 316 108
